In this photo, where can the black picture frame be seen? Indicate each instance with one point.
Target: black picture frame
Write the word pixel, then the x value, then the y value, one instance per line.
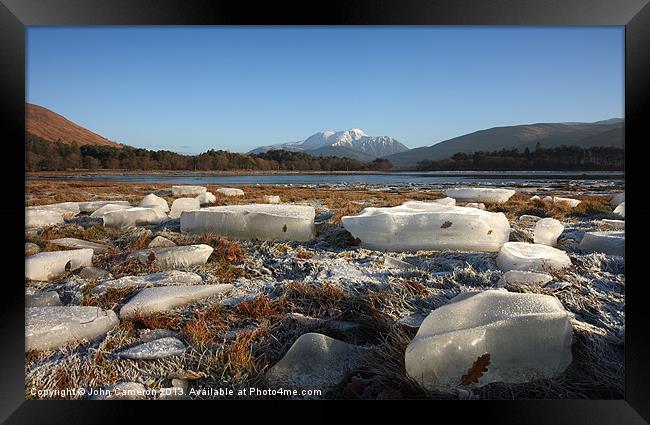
pixel 15 15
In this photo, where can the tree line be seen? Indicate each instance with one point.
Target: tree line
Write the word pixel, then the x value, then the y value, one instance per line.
pixel 541 158
pixel 43 155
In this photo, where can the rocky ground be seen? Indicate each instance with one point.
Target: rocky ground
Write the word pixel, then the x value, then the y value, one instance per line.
pixel 373 301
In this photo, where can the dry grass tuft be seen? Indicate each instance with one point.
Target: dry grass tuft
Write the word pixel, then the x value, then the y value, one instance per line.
pixel 227 251
pixel 206 326
pixel 261 307
pixel 157 321
pixel 109 299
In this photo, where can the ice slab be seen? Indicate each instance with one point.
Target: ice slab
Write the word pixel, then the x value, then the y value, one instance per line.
pixel 48 265
pixel 93 206
pixel 479 205
pixel 79 244
pixel 272 199
pixel 476 194
pixel 206 198
pixel 154 201
pixel 160 242
pixel 100 212
pixel 612 224
pixel 132 217
pixel 175 256
pixel 445 201
pixel 157 349
pixel 42 218
pixel 315 361
pixel 94 273
pixel 528 336
pixel 531 257
pixel 31 249
pixel 253 221
pixel 153 300
pixel 187 190
pixel 563 201
pixel 416 225
pixel 617 199
pixel 620 210
pixel 183 204
pixel 67 209
pixel 611 243
pixel 42 299
pixel 167 278
pixel 514 277
pixel 229 191
pixel 51 327
pixel 547 230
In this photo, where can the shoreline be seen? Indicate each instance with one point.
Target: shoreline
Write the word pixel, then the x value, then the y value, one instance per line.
pixel 518 174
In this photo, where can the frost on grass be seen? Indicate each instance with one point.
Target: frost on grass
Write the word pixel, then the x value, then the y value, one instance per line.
pixel 331 286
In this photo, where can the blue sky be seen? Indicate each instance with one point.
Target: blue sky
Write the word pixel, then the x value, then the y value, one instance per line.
pixel 189 89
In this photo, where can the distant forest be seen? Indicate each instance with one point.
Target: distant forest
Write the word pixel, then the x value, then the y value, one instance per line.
pixel 542 159
pixel 42 155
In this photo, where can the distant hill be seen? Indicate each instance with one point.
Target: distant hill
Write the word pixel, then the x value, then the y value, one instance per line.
pixel 353 143
pixel 585 135
pixel 50 126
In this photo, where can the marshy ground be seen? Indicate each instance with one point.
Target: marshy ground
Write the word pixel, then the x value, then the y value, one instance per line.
pixel 328 285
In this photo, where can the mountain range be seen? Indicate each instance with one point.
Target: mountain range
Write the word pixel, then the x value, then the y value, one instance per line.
pixel 356 144
pixel 353 143
pixel 585 135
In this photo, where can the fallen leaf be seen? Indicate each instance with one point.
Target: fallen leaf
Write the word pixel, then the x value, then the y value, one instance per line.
pixel 446 225
pixel 476 371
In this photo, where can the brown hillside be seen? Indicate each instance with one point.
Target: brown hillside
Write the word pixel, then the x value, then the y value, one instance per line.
pixel 48 125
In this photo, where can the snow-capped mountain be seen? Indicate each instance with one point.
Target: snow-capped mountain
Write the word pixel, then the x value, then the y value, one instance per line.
pixel 349 142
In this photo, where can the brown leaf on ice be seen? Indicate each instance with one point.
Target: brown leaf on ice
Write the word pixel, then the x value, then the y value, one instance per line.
pixel 446 225
pixel 476 371
pixel 284 228
pixel 355 242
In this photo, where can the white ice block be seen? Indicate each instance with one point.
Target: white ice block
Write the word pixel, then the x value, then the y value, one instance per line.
pixel 418 225
pixel 132 217
pixel 514 277
pixel 166 278
pixel 253 221
pixel 183 204
pixel 92 206
pixel 479 205
pixel 445 201
pixel 531 257
pixel 67 209
pixel 272 199
pixel 187 190
pixel 154 201
pixel 620 210
pixel 206 198
pixel 228 191
pixel 42 218
pixel 51 327
pixel 163 298
pixel 528 336
pixel 79 244
pixel 101 211
pixel 617 199
pixel 315 361
pixel 479 194
pixel 611 243
pixel 175 256
pixel 48 265
pixel 547 230
pixel 563 201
